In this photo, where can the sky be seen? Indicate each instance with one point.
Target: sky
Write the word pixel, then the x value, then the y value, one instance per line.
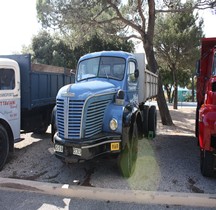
pixel 18 24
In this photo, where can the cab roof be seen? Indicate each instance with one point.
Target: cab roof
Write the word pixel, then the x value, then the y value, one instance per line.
pixel 121 54
pixel 207 44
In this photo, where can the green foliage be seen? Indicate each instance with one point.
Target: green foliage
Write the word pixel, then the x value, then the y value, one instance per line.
pixel 53 50
pixel 177 46
pixel 78 20
pixel 97 43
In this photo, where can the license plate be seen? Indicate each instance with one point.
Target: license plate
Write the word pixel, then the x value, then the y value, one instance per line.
pixel 77 151
pixel 58 148
pixel 114 146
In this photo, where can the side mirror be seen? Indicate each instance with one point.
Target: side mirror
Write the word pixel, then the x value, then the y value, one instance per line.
pixel 198 68
pixel 136 73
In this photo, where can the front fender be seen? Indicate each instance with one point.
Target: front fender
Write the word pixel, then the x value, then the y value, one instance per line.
pixel 125 116
pixel 116 112
pixel 2 117
pixel 130 116
pixel 207 126
pixel 8 127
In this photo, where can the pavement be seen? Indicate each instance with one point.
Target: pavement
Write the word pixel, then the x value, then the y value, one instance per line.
pixel 190 104
pixel 131 197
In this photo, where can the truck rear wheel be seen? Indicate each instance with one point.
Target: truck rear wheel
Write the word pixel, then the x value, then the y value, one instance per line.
pixel 197 123
pixel 41 130
pixel 145 114
pixel 128 156
pixel 152 120
pixel 207 163
pixel 4 146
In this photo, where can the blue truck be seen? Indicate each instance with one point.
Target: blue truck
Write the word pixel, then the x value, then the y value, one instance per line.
pixel 27 98
pixel 104 111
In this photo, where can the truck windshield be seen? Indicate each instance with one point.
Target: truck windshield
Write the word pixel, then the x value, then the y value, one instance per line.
pixel 106 67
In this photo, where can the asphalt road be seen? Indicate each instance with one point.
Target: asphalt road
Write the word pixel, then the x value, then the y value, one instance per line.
pixel 32 201
pixel 31 195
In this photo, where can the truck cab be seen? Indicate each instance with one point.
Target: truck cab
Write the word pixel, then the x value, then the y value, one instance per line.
pixel 10 95
pixel 9 107
pixel 101 113
pixel 206 106
pixel 27 98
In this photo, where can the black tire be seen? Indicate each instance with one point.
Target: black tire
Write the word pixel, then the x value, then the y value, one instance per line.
pixel 53 131
pixel 128 156
pixel 152 121
pixel 145 114
pixel 4 146
pixel 197 122
pixel 53 124
pixel 41 130
pixel 45 122
pixel 207 163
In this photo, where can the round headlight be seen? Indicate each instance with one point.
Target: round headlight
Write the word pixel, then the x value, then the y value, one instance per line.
pixel 113 124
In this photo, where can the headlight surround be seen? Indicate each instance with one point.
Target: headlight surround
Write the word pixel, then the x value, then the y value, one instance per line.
pixel 113 124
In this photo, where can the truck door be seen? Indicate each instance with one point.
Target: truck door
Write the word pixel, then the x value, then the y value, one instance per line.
pixel 10 95
pixel 132 82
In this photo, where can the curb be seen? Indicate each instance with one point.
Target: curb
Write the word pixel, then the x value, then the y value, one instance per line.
pixel 115 195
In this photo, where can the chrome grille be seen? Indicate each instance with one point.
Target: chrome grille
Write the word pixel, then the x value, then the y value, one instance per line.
pixel 94 116
pixel 74 118
pixel 60 116
pixel 69 118
pixel 70 112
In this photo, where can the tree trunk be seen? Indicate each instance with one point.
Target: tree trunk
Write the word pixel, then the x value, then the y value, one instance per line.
pixel 175 79
pixel 168 91
pixel 193 92
pixel 162 105
pixel 175 103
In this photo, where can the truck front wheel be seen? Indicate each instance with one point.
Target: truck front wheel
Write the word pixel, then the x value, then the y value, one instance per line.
pixel 4 146
pixel 207 160
pixel 128 156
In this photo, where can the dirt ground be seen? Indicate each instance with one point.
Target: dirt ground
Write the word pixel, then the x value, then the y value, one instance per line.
pixel 170 162
pixel 34 156
pixel 183 119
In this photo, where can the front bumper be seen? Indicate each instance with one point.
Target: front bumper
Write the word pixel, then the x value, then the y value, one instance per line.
pixel 85 149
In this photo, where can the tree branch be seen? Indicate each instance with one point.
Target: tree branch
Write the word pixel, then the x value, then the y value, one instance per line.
pixel 200 6
pixel 139 7
pixel 151 22
pixel 108 21
pixel 132 36
pixel 104 9
pixel 127 22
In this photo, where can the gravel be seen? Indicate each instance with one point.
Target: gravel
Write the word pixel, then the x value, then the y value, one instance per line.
pixel 170 162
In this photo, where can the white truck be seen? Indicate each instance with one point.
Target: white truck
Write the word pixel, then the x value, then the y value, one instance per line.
pixel 104 112
pixel 27 98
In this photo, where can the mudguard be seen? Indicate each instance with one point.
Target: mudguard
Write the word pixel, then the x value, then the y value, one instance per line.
pixel 131 114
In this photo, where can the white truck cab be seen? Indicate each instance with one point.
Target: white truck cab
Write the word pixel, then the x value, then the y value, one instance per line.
pixel 10 95
pixel 27 98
